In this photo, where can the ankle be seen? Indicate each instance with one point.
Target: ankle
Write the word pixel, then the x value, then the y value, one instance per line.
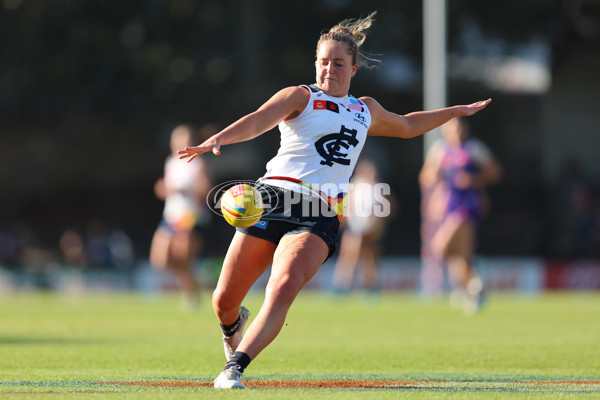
pixel 239 360
pixel 229 330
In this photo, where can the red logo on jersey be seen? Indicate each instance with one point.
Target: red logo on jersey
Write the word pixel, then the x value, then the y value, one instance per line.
pixel 319 105
pixel 326 105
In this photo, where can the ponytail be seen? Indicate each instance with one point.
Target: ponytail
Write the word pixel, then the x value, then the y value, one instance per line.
pixel 353 32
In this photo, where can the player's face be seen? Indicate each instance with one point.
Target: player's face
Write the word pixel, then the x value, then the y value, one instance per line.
pixel 180 138
pixel 334 68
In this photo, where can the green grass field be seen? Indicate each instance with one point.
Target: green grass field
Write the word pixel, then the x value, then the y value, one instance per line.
pixel 517 347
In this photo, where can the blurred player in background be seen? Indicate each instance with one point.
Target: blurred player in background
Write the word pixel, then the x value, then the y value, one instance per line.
pixel 323 129
pixel 456 171
pixel 363 228
pixel 178 238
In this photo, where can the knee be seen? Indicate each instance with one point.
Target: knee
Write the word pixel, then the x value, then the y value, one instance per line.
pixel 222 303
pixel 158 261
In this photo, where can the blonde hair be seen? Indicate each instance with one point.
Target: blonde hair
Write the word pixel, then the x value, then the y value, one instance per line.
pixel 353 32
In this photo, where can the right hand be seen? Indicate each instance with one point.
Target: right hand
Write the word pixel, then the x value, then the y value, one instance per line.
pixel 194 151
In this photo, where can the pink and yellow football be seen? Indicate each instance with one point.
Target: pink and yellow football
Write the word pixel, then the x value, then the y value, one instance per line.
pixel 241 206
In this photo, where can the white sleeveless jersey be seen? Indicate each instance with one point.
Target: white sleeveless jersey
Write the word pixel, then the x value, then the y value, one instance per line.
pixel 320 147
pixel 182 209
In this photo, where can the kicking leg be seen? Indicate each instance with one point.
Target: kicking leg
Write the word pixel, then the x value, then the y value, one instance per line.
pixel 246 260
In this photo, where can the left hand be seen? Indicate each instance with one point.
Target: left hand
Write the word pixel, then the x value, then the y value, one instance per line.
pixel 468 110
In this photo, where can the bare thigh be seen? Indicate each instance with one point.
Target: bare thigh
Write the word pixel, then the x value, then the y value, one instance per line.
pixel 462 242
pixel 183 249
pixel 159 249
pixel 298 258
pixel 454 236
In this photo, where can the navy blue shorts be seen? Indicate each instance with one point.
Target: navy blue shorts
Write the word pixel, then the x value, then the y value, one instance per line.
pixel 302 214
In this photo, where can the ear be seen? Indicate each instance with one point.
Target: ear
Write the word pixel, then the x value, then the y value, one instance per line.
pixel 354 69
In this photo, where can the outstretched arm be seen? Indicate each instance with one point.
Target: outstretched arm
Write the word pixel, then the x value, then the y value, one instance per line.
pixel 386 123
pixel 285 104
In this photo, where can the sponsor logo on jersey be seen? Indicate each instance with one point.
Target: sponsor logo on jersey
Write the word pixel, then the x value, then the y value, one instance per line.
pixel 326 105
pixel 361 119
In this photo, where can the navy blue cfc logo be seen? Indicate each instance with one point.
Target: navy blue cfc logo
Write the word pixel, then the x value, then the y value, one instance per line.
pixel 330 146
